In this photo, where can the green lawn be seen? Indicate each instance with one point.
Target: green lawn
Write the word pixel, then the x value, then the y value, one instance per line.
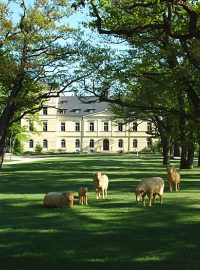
pixel 111 234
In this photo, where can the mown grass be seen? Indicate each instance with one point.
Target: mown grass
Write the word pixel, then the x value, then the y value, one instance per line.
pixel 115 233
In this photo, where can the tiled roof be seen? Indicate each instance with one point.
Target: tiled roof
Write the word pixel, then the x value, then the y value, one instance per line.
pixel 73 105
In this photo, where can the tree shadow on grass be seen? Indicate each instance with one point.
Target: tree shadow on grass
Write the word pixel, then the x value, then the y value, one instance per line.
pixel 115 233
pixel 95 237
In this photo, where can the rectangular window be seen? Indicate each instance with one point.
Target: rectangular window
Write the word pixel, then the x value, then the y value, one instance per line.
pixel 77 126
pixel 91 126
pixel 135 126
pixel 149 127
pixel 30 126
pixel 77 143
pixel 135 143
pixel 120 143
pixel 149 143
pixel 31 143
pixel 62 126
pixel 63 143
pixel 91 143
pixel 120 127
pixel 44 110
pixel 44 126
pixel 105 126
pixel 45 144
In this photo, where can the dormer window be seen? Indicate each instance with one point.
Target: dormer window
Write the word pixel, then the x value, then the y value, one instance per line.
pixel 91 110
pixel 76 110
pixel 63 102
pixel 61 111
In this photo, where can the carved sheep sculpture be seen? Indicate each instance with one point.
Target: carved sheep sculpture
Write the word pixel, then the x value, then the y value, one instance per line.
pixel 151 187
pixel 58 199
pixel 173 178
pixel 100 181
pixel 83 195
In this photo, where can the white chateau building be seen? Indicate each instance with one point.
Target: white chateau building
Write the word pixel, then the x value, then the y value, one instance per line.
pixel 69 125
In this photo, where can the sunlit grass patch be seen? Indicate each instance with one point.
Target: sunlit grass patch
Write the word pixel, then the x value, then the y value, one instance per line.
pixel 115 233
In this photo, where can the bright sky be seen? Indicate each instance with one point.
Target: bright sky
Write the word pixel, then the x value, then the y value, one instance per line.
pixel 74 20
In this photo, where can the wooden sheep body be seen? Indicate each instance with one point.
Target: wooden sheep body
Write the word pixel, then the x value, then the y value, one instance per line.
pixel 100 181
pixel 83 195
pixel 151 187
pixel 58 199
pixel 173 178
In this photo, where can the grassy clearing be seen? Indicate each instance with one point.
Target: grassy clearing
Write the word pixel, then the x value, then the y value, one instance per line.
pixel 114 233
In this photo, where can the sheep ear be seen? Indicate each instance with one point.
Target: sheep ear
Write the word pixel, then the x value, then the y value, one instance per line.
pixel 65 193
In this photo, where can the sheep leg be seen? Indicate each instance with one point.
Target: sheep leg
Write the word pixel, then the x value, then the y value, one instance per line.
pixel 154 197
pixel 170 187
pixel 143 199
pixel 178 186
pixel 161 199
pixel 97 193
pixel 105 193
pixel 85 199
pixel 150 198
pixel 80 200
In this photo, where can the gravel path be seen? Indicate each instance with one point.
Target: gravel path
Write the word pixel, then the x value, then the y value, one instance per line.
pixel 12 159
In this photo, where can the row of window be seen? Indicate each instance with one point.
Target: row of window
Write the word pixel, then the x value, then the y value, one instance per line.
pixel 62 111
pixel 91 126
pixel 91 143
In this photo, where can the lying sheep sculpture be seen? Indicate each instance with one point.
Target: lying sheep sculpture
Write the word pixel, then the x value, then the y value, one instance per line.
pixel 173 178
pixel 151 187
pixel 100 181
pixel 58 199
pixel 83 197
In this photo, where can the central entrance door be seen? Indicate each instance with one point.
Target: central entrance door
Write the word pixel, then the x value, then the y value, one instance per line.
pixel 106 145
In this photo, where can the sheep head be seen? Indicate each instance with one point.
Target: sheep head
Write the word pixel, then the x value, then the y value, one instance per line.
pixel 83 191
pixel 138 194
pixel 171 169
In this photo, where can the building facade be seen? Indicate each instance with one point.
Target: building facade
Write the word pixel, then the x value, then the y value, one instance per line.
pixel 69 124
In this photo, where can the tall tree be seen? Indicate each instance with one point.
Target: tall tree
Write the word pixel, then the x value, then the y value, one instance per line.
pixel 38 57
pixel 164 38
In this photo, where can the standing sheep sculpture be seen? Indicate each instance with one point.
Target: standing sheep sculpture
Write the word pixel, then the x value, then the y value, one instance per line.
pixel 83 195
pixel 58 199
pixel 173 178
pixel 100 181
pixel 151 187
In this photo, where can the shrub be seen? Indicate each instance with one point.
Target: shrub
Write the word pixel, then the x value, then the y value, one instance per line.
pixel 38 148
pixel 18 147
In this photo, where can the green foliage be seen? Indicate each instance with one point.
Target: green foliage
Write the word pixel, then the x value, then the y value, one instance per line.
pixel 18 147
pixel 38 51
pixel 155 74
pixel 38 148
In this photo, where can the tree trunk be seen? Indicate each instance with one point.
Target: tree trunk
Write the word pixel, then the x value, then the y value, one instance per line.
pixel 3 134
pixel 5 120
pixel 190 158
pixel 9 111
pixel 199 157
pixel 183 164
pixel 166 145
pixel 177 150
pixel 1 156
